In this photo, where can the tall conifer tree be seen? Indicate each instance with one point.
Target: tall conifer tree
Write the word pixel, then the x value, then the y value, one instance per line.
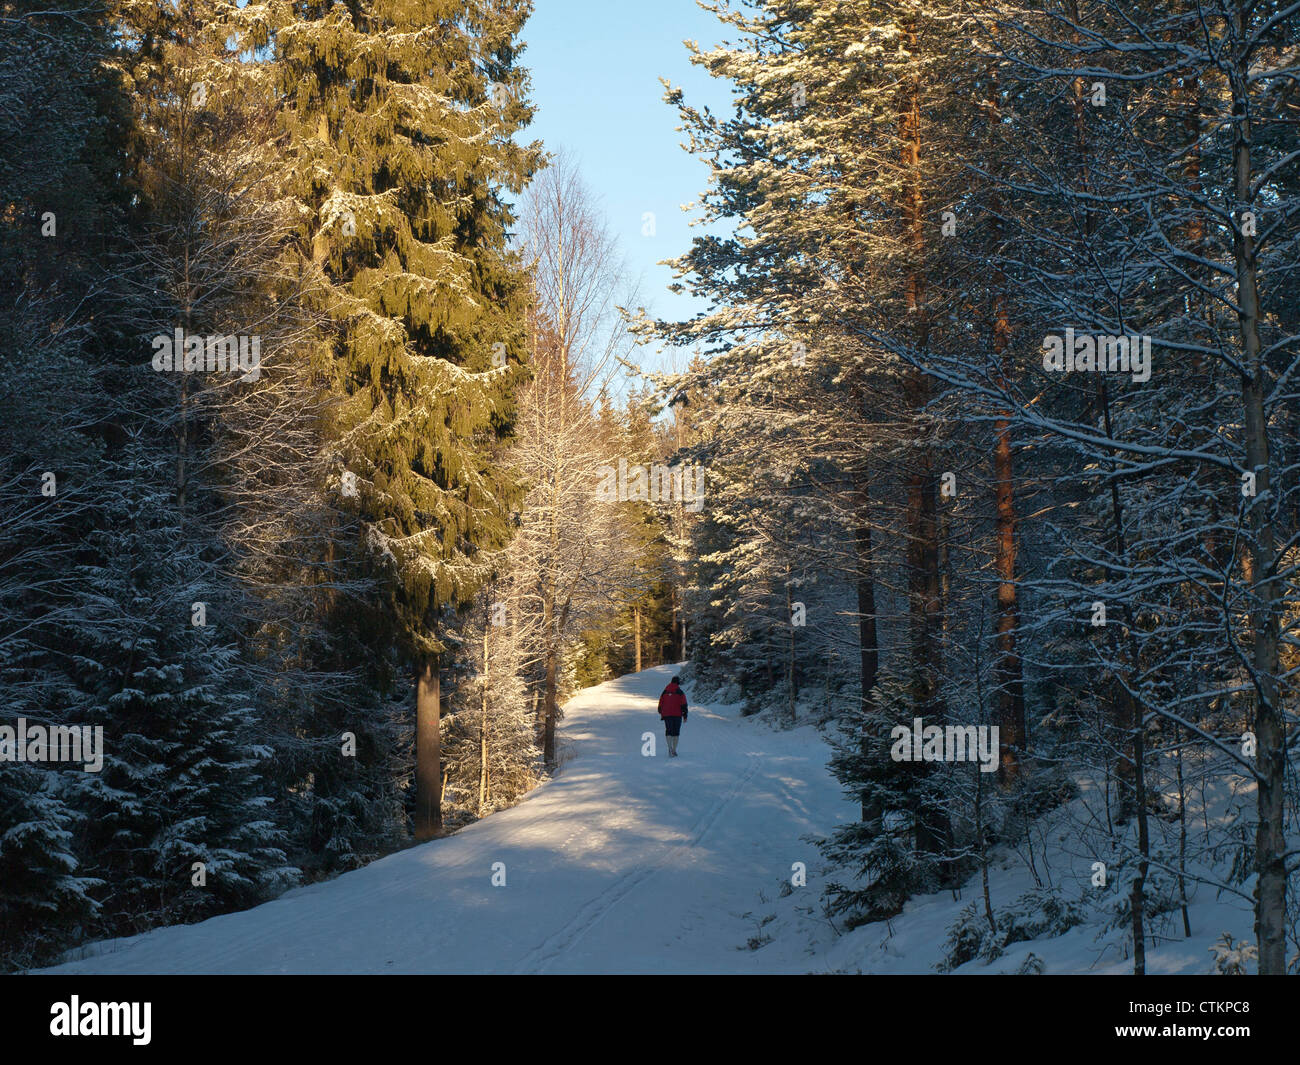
pixel 401 116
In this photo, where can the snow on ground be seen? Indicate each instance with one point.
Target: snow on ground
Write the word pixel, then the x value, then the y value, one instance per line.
pixel 915 940
pixel 621 863
pixel 631 864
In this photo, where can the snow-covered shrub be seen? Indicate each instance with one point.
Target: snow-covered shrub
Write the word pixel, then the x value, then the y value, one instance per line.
pixel 1037 914
pixel 1232 959
pixel 966 939
pixel 731 694
pixel 1160 897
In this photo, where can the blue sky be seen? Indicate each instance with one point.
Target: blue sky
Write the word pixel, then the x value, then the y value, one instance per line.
pixel 596 66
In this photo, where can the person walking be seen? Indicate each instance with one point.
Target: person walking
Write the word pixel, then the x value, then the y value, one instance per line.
pixel 672 710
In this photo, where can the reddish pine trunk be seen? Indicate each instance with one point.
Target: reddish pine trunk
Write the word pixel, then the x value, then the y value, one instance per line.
pixel 933 831
pixel 428 751
pixel 1009 677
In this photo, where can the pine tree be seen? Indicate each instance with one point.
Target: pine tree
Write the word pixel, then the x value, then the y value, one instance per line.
pixel 835 304
pixel 1156 172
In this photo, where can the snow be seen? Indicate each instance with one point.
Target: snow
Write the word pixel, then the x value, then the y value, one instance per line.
pixel 621 863
pixel 630 864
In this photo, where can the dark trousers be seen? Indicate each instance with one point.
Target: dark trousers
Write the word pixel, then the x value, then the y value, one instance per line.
pixel 672 726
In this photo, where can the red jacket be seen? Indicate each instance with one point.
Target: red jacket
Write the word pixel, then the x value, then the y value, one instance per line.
pixel 673 702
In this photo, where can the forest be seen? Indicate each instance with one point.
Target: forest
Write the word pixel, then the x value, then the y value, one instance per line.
pixel 335 461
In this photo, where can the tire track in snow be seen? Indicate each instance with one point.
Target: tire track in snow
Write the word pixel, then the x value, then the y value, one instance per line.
pixel 594 910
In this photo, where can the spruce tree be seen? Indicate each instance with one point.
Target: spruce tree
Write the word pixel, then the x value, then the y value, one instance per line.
pixel 400 118
pixel 60 212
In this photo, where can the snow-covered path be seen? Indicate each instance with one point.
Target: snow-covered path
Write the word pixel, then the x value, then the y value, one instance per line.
pixel 622 863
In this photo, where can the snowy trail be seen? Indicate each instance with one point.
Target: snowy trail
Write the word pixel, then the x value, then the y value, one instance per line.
pixel 622 863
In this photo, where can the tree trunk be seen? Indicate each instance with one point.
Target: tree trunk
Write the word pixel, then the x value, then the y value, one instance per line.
pixel 1270 736
pixel 1138 894
pixel 672 639
pixel 483 729
pixel 922 528
pixel 428 750
pixel 637 614
pixel 982 849
pixel 789 664
pixel 933 831
pixel 549 696
pixel 1182 834
pixel 553 676
pixel 1008 671
pixel 1008 675
pixel 868 647
pixel 1130 717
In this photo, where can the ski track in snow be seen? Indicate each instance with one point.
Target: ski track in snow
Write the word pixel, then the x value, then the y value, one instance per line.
pixel 620 863
pixel 539 959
